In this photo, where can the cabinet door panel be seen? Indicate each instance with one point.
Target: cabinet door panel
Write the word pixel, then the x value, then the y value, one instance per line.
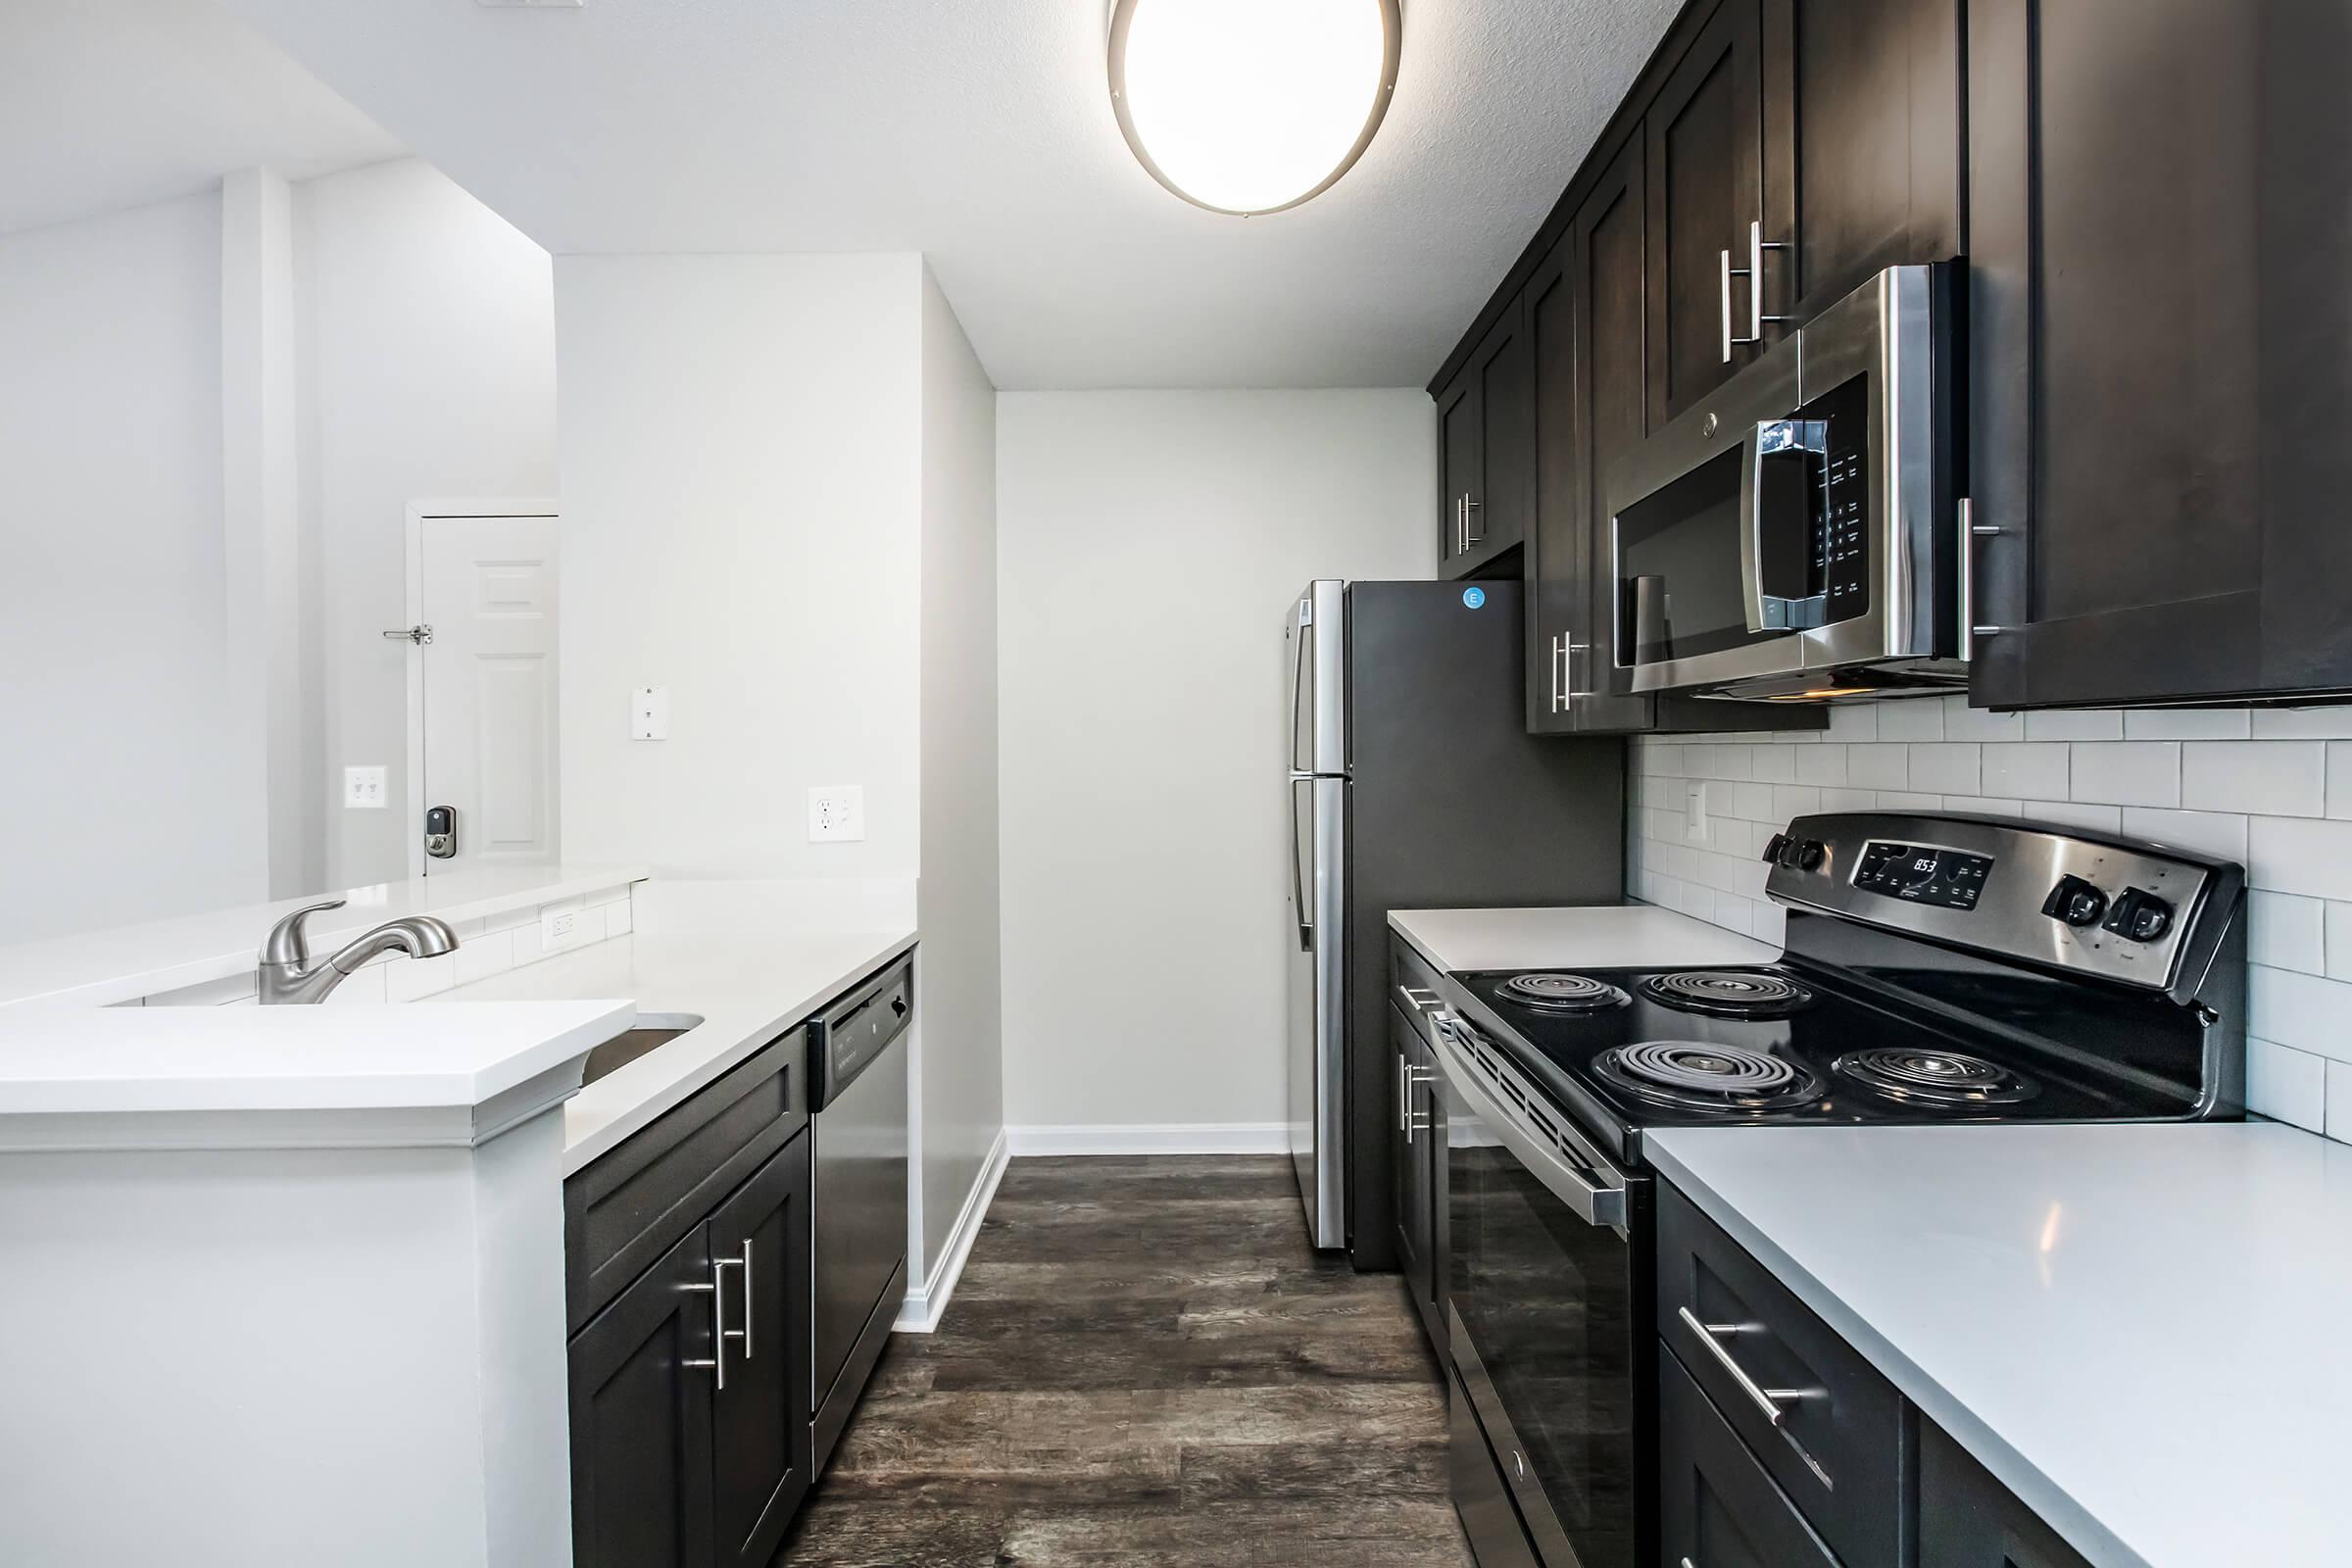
pixel 1408 1155
pixel 1967 1519
pixel 1704 135
pixel 1861 144
pixel 1717 1506
pixel 1458 463
pixel 765 1444
pixel 1558 563
pixel 641 1473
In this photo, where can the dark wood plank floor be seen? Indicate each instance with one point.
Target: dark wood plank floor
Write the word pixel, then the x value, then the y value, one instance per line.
pixel 1146 1363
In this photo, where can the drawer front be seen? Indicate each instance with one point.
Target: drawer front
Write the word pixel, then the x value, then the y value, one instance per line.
pixel 1717 1507
pixel 1841 1447
pixel 1412 987
pixel 624 1212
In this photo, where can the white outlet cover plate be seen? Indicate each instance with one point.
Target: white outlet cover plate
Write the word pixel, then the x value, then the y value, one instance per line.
pixel 364 789
pixel 560 926
pixel 648 712
pixel 836 814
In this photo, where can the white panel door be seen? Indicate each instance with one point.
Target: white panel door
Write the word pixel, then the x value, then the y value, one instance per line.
pixel 489 594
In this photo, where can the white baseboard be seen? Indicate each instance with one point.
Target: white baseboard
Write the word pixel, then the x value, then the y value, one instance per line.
pixel 1154 1138
pixel 927 1301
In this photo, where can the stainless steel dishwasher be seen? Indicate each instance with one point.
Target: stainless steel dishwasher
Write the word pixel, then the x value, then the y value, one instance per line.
pixel 858 1210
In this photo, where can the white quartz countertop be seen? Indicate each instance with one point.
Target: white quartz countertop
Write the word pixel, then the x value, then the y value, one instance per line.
pixel 161 1060
pixel 747 989
pixel 1599 937
pixel 100 967
pixel 2145 1332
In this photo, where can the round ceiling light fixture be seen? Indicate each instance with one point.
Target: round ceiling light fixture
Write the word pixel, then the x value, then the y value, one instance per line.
pixel 1252 105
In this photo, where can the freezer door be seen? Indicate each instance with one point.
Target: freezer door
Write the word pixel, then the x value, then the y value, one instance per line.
pixel 1314 650
pixel 1318 978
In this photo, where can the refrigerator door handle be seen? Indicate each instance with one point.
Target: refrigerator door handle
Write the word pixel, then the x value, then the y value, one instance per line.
pixel 1302 632
pixel 1306 925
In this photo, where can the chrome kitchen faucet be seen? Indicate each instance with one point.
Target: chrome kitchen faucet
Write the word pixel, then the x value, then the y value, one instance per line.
pixel 287 975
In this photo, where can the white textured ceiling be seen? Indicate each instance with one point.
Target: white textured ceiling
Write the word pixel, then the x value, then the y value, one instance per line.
pixel 980 133
pixel 108 104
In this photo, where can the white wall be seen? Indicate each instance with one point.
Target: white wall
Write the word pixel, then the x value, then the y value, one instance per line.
pixel 2270 788
pixel 742 492
pixel 122 783
pixel 959 1094
pixel 425 329
pixel 1148 544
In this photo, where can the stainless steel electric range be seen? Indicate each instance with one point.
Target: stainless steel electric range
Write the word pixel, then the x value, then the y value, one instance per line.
pixel 1936 969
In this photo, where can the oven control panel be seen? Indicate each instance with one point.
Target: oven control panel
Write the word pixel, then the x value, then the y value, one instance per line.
pixel 1923 873
pixel 2140 913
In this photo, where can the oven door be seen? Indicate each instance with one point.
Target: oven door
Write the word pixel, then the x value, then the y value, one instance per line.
pixel 1548 1311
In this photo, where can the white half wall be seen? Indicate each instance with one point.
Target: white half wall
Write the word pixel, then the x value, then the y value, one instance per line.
pixel 127 770
pixel 742 492
pixel 425 329
pixel 1148 544
pixel 960 1084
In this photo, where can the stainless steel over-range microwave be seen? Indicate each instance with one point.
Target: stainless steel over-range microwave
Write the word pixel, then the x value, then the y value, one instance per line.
pixel 1797 534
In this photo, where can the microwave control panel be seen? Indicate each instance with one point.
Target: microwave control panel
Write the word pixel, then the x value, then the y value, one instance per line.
pixel 1842 553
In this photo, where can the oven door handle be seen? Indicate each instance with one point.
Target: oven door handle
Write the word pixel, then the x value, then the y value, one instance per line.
pixel 1594 1190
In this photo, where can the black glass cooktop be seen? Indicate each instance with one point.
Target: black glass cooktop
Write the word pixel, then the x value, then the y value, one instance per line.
pixel 1786 1044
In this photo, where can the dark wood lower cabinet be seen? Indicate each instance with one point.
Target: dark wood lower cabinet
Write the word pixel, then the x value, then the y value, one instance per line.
pixel 641 1476
pixel 689 1448
pixel 1414 1139
pixel 1969 1520
pixel 1719 1510
pixel 764 1451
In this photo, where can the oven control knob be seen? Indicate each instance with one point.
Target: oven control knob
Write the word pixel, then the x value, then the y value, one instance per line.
pixel 1776 848
pixel 2139 917
pixel 1808 855
pixel 2075 901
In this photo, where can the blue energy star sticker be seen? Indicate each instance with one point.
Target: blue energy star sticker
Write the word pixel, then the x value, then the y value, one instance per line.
pixel 1475 598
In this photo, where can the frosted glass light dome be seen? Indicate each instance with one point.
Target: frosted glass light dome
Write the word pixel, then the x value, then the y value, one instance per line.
pixel 1252 105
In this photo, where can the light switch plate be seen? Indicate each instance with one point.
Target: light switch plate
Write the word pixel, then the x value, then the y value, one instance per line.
pixel 1695 811
pixel 364 789
pixel 836 814
pixel 648 712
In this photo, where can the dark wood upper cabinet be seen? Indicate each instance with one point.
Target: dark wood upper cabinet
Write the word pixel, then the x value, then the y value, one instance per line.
pixel 1705 165
pixel 1486 446
pixel 1862 161
pixel 2161 350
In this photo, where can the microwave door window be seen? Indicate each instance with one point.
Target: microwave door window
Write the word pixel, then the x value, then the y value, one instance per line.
pixel 1679 592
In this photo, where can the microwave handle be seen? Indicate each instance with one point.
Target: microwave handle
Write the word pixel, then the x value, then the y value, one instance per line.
pixel 1751 528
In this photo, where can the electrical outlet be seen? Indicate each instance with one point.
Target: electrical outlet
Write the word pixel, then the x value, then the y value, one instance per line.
pixel 364 789
pixel 836 814
pixel 560 926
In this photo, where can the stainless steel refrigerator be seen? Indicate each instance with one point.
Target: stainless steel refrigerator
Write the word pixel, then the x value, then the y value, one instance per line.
pixel 1413 784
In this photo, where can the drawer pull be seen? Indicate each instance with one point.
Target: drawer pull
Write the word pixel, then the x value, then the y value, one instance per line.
pixel 1768 1401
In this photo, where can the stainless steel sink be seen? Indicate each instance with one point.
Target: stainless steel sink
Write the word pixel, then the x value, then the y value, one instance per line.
pixel 654 1030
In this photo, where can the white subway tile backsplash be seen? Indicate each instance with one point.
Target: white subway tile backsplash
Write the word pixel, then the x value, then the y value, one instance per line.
pixel 2186 725
pixel 2074 814
pixel 1908 800
pixel 483 955
pixel 411 978
pixel 1853 722
pixel 2268 778
pixel 1881 765
pixel 2299 855
pixel 1912 718
pixel 1842 800
pixel 1961 723
pixel 2128 772
pixel 2075 724
pixel 2286 1085
pixel 2302 724
pixel 2218 834
pixel 2339 778
pixel 1795 800
pixel 1981 806
pixel 2312 1010
pixel 1774 764
pixel 2026 770
pixel 1821 764
pixel 2339 1101
pixel 1947 769
pixel 2335 942
pixel 2287 932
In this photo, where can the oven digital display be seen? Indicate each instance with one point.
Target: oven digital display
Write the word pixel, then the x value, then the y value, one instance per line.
pixel 1921 873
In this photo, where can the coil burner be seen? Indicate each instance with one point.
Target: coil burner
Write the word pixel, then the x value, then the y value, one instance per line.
pixel 1563 993
pixel 1934 1077
pixel 1693 1075
pixel 1728 993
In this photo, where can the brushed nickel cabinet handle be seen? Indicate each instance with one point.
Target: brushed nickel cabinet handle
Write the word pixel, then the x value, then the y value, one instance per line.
pixel 1768 1401
pixel 1757 245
